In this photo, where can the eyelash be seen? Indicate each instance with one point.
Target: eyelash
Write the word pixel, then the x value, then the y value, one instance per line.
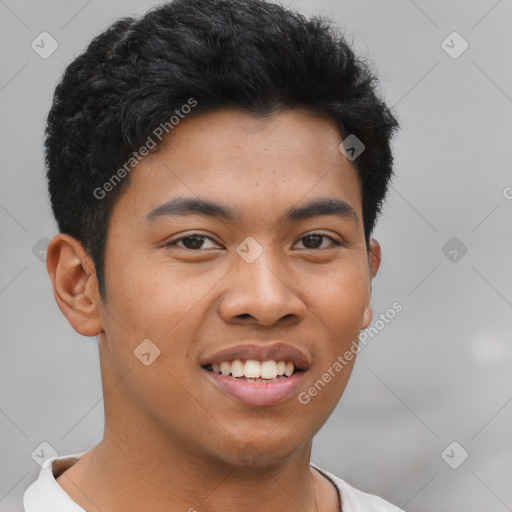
pixel 191 235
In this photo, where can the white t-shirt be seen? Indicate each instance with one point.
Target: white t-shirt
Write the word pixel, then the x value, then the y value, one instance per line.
pixel 46 495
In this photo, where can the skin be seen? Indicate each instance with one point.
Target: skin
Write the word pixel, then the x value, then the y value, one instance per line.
pixel 172 440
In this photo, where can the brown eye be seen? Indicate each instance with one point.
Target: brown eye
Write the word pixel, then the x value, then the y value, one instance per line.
pixel 316 241
pixel 192 242
pixel 313 241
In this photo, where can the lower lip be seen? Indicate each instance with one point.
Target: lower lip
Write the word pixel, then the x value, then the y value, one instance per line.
pixel 257 393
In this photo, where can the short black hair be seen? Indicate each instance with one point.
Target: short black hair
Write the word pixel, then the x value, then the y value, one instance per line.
pixel 253 55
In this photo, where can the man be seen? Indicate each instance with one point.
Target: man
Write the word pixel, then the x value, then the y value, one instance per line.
pixel 216 169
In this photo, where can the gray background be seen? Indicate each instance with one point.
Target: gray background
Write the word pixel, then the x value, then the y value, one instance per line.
pixel 435 374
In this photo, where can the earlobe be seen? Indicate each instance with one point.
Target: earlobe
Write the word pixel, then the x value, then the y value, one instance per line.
pixel 74 282
pixel 367 318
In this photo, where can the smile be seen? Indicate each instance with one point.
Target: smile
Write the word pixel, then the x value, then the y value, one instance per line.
pixel 256 371
pixel 255 383
pixel 256 374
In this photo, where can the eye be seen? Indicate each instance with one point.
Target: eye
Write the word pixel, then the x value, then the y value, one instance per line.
pixel 192 242
pixel 316 241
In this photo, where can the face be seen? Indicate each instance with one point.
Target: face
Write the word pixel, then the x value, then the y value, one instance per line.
pixel 262 259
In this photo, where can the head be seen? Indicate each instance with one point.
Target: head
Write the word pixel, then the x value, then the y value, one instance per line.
pixel 203 202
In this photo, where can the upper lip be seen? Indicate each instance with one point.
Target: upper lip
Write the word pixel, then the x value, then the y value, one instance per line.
pixel 277 351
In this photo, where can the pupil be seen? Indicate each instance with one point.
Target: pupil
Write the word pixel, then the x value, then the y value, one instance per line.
pixel 317 241
pixel 193 242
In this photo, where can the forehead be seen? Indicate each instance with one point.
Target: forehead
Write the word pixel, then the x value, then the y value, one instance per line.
pixel 248 161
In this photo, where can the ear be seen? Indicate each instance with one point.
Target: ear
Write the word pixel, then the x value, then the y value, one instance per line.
pixel 374 258
pixel 74 282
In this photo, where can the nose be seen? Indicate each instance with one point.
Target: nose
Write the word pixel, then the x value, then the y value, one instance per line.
pixel 261 294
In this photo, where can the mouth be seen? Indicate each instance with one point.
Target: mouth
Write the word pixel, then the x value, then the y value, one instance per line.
pixel 251 370
pixel 257 376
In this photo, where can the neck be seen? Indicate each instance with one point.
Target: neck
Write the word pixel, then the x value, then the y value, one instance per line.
pixel 130 476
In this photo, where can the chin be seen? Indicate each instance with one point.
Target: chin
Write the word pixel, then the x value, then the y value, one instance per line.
pixel 261 453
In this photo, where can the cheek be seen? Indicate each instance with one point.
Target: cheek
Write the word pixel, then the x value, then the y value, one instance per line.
pixel 338 304
pixel 154 298
pixel 339 298
pixel 163 304
pixel 160 305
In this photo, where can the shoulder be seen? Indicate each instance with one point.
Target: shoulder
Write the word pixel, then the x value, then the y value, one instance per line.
pixel 45 494
pixel 354 500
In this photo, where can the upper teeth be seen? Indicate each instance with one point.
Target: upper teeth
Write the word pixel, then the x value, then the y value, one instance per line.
pixel 254 369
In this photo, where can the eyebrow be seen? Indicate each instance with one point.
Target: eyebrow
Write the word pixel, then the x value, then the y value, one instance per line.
pixel 191 206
